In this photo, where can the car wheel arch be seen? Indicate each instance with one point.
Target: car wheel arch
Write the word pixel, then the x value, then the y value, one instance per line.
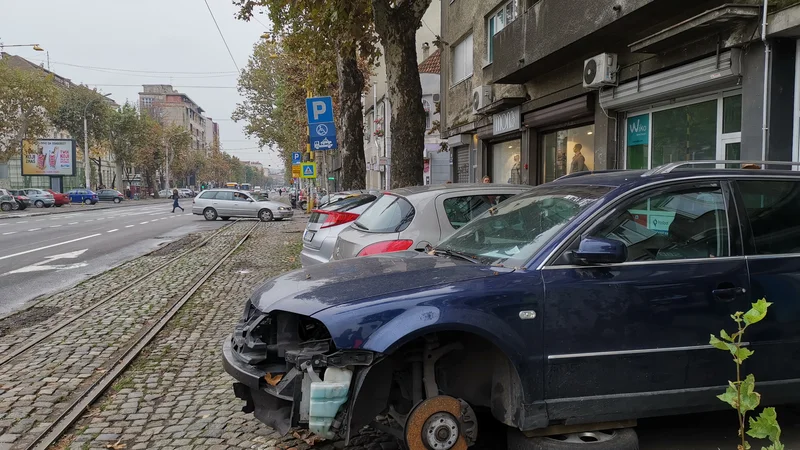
pixel 505 396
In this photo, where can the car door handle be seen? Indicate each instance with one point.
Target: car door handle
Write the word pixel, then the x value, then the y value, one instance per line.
pixel 728 293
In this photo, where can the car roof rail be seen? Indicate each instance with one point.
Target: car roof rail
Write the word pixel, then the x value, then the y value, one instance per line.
pixel 670 167
pixel 587 172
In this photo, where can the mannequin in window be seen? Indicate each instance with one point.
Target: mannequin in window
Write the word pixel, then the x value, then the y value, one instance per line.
pixel 578 160
pixel 516 177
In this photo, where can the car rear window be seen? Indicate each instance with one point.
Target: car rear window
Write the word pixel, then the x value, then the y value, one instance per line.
pixel 389 214
pixel 346 204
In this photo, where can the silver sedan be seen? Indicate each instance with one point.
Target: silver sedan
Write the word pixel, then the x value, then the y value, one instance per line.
pixel 227 203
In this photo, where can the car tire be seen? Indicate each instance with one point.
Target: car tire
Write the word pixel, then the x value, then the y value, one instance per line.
pixel 225 218
pixel 622 439
pixel 39 204
pixel 117 200
pixel 210 214
pixel 303 205
pixel 6 207
pixel 59 205
pixel 265 215
pixel 22 207
pixel 88 201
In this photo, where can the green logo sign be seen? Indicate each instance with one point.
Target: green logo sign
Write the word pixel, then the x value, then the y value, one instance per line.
pixel 638 130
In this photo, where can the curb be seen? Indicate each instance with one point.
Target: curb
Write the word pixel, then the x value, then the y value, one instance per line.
pixel 96 207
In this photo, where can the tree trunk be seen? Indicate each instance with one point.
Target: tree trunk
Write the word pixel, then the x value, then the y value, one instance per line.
pixel 99 162
pixel 118 171
pixel 351 118
pixel 397 27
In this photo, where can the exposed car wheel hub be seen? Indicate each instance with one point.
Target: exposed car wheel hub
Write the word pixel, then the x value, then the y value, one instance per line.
pixel 440 423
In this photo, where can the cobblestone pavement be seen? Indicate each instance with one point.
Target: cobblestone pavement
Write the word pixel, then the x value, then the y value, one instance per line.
pixel 38 384
pixel 176 395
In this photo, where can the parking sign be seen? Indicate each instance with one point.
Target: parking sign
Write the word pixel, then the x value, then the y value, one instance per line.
pixel 297 158
pixel 320 109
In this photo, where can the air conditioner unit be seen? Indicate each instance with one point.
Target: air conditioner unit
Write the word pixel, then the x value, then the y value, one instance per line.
pixel 436 98
pixel 600 71
pixel 481 98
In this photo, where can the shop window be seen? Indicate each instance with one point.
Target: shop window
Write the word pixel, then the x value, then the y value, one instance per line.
pixel 505 162
pixel 732 114
pixel 568 151
pixel 462 60
pixel 498 20
pixel 687 133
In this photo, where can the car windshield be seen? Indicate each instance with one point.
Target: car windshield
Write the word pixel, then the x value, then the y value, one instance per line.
pixel 259 197
pixel 511 233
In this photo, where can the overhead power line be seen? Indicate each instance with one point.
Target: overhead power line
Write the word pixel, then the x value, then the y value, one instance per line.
pixel 177 86
pixel 138 71
pixel 222 36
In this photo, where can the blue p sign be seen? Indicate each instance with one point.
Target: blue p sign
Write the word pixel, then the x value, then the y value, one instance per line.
pixel 320 109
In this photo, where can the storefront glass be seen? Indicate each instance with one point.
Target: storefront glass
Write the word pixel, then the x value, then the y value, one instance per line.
pixel 689 132
pixel 505 162
pixel 568 151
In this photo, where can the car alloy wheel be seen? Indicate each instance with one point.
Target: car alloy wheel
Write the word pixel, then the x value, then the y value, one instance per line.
pixel 87 201
pixel 117 200
pixel 265 215
pixel 6 206
pixel 210 214
pixel 39 204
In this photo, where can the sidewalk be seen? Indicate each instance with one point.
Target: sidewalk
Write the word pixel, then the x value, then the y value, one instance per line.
pixel 77 207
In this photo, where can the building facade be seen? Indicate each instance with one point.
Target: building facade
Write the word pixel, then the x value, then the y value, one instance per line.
pixel 685 81
pixel 377 110
pixel 176 108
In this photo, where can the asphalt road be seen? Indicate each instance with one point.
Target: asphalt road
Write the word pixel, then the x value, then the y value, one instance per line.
pixel 45 254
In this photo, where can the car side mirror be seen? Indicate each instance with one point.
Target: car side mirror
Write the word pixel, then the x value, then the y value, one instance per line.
pixel 595 250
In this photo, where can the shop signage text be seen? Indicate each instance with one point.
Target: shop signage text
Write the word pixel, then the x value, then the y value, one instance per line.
pixel 638 130
pixel 506 121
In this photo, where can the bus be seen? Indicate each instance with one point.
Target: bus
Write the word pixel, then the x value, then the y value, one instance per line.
pixel 232 185
pixel 246 187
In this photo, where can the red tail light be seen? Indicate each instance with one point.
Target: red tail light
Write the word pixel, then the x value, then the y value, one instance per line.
pixel 335 218
pixel 386 247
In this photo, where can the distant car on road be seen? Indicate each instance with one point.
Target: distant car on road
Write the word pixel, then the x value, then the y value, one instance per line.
pixel 186 192
pixel 110 195
pixel 85 196
pixel 60 198
pixel 23 201
pixel 413 218
pixel 39 197
pixel 327 222
pixel 227 203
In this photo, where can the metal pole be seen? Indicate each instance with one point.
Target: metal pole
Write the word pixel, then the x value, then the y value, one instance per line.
pixel 765 104
pixel 86 169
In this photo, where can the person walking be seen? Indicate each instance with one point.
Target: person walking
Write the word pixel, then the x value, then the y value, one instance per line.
pixel 175 197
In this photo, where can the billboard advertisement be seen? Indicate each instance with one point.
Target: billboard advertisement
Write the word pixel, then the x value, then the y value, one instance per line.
pixel 53 157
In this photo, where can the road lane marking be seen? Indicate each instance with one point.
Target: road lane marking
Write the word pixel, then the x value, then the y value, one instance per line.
pixel 34 229
pixel 49 246
pixel 39 220
pixel 144 223
pixel 129 226
pixel 90 220
pixel 111 231
pixel 40 266
pixel 24 221
pixel 72 223
pixel 7 233
pixel 54 226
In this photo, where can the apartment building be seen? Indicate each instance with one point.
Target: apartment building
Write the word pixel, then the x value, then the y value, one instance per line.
pixel 176 108
pixel 534 90
pixel 377 110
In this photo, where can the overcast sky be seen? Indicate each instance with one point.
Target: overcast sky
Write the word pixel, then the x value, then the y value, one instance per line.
pixel 153 42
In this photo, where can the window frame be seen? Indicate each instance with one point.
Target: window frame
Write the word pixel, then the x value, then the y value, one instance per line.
pixel 491 30
pixel 748 238
pixel 469 66
pixel 557 260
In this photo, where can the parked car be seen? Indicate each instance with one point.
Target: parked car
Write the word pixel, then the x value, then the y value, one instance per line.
pixel 7 201
pixel 335 196
pixel 416 217
pixel 227 203
pixel 186 192
pixel 39 197
pixel 110 195
pixel 59 198
pixel 326 223
pixel 571 311
pixel 85 196
pixel 23 201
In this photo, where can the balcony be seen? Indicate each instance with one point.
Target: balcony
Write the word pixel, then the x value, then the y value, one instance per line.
pixel 553 33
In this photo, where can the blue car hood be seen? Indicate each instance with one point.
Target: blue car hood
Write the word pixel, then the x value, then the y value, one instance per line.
pixel 313 289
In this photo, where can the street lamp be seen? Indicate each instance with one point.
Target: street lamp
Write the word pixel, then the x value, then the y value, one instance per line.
pixel 87 169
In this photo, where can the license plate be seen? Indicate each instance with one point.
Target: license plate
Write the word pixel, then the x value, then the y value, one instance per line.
pixel 309 235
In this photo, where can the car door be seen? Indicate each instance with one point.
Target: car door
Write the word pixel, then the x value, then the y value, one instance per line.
pixel 223 203
pixel 244 206
pixel 624 339
pixel 771 223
